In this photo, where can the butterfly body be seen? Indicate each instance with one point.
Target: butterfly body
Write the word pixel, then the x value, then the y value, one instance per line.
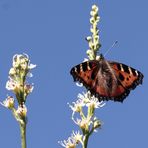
pixel 107 80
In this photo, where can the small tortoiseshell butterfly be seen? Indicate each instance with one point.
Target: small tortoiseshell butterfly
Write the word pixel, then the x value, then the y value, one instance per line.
pixel 107 80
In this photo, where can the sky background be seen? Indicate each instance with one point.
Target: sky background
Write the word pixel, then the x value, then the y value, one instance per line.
pixel 52 33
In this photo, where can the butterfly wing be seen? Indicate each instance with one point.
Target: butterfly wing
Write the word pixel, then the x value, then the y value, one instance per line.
pixel 107 80
pixel 127 76
pixel 85 73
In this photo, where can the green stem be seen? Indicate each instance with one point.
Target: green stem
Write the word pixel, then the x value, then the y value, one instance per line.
pixel 23 134
pixel 86 137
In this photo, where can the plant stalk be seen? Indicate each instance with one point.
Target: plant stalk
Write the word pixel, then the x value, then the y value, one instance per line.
pixel 23 134
pixel 86 141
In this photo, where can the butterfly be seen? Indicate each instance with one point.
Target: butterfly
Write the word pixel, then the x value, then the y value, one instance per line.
pixel 107 80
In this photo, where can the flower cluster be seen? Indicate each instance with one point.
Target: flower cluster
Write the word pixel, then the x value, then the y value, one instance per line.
pixel 93 41
pixel 17 77
pixel 87 121
pixel 18 84
pixel 72 141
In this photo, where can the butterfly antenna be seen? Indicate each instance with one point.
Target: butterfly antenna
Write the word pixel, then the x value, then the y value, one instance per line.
pixel 110 48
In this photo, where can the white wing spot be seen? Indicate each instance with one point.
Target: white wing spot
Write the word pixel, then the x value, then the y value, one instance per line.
pixel 136 72
pixel 81 68
pixel 130 70
pixel 121 67
pixel 75 69
pixel 88 66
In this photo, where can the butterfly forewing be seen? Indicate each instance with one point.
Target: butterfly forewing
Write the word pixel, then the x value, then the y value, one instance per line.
pixel 84 73
pixel 128 76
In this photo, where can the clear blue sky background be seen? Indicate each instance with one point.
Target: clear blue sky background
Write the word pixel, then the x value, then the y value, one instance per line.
pixel 52 33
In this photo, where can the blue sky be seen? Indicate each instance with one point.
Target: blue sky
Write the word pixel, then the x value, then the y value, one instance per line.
pixel 52 33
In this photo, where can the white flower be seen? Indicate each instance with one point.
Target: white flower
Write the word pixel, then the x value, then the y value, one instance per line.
pixel 77 136
pixel 72 141
pixel 69 143
pixel 20 60
pixel 76 107
pixel 12 72
pixel 12 85
pixel 28 88
pixel 15 59
pixel 22 110
pixel 8 102
pixel 84 96
pixel 94 102
pixel 88 100
pixel 85 123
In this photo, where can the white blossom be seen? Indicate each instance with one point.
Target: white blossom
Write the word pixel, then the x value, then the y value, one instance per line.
pixel 95 103
pixel 22 110
pixel 12 84
pixel 72 141
pixel 8 102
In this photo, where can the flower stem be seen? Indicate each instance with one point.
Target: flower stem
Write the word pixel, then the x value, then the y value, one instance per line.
pixel 86 137
pixel 23 134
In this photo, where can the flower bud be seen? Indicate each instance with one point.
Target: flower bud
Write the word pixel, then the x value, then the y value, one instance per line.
pixel 97 124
